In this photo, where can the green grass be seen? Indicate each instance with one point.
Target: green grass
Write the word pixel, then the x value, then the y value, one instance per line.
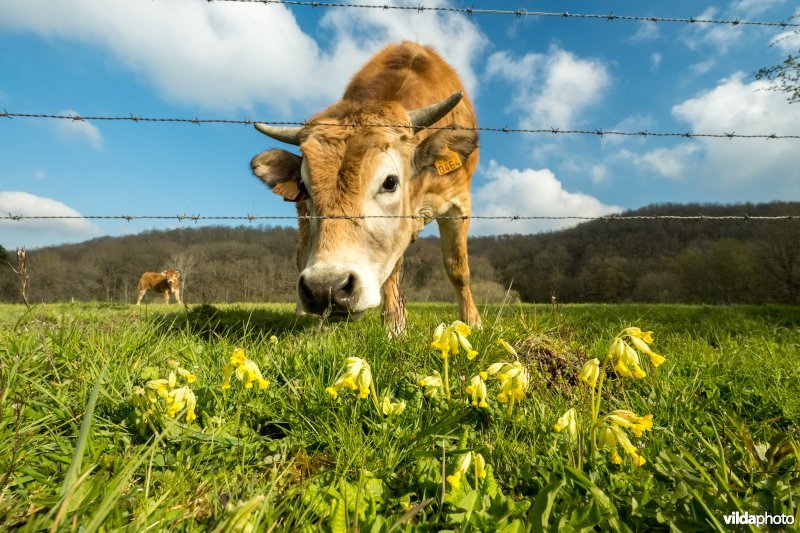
pixel 725 405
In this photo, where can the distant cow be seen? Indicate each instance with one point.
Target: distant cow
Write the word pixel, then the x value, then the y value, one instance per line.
pixel 413 157
pixel 164 282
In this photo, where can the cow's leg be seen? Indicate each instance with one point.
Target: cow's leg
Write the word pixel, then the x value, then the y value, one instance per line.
pixel 394 305
pixel 177 294
pixel 141 295
pixel 166 297
pixel 453 233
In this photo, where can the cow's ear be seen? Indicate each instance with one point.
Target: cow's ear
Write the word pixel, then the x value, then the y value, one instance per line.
pixel 445 151
pixel 280 170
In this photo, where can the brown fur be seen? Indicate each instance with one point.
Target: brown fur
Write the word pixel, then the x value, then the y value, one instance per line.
pixel 400 77
pixel 166 282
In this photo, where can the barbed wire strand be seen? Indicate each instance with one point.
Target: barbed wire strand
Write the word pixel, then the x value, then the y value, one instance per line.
pixel 608 218
pixel 520 13
pixel 555 131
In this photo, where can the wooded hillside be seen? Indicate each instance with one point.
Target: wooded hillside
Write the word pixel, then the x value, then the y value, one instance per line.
pixel 710 261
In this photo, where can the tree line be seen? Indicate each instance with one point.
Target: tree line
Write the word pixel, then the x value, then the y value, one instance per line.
pixel 670 261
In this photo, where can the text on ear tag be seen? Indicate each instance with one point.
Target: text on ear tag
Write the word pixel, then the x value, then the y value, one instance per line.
pixel 449 162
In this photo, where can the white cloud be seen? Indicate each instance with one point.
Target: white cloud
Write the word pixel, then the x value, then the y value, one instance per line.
pixel 788 41
pixel 645 32
pixel 765 169
pixel 702 67
pixel 598 173
pixel 78 130
pixel 457 38
pixel 655 61
pixel 234 56
pixel 37 232
pixel 722 37
pixel 529 192
pixel 668 162
pixel 550 90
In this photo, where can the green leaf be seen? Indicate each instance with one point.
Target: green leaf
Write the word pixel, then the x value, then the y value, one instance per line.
pixel 338 521
pixel 539 515
pixel 83 436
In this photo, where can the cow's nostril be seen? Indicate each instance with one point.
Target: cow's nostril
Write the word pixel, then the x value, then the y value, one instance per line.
pixel 343 295
pixel 320 294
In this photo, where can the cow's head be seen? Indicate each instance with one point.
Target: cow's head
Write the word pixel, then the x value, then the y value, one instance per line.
pixel 346 172
pixel 173 278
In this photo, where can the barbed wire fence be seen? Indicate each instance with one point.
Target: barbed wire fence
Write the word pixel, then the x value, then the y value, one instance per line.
pixel 600 132
pixel 746 217
pixel 518 13
pixel 470 11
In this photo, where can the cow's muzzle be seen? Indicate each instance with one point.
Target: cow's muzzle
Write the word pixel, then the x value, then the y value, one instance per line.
pixel 335 293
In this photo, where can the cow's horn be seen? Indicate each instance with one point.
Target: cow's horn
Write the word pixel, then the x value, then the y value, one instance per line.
pixel 287 134
pixel 425 116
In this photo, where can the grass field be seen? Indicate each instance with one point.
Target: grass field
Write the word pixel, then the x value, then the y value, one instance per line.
pixel 87 441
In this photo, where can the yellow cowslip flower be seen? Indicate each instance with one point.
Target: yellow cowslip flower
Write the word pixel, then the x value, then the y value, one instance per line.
pixel 477 389
pixel 160 386
pixel 590 372
pixel 227 372
pixel 448 339
pixel 494 369
pixel 461 469
pixel 514 378
pixel 462 340
pixel 431 384
pixel 438 343
pixel 627 360
pixel 480 465
pixel 188 376
pixel 609 441
pixel 507 347
pixel 629 448
pixel 628 419
pixel 245 370
pixel 568 421
pixel 642 346
pixel 390 408
pixel 181 398
pixel 612 434
pixel 273 339
pixel 634 332
pixel 617 349
pixel 641 340
pixel 248 372
pixel 461 328
pixel 357 376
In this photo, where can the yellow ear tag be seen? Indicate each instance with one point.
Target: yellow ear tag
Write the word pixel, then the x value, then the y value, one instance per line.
pixel 449 162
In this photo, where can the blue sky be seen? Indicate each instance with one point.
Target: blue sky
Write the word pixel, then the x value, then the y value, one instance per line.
pixel 191 58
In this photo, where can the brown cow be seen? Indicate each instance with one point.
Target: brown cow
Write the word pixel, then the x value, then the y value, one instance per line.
pixel 389 167
pixel 165 282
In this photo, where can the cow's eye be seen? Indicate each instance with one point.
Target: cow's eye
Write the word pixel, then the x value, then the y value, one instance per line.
pixel 390 183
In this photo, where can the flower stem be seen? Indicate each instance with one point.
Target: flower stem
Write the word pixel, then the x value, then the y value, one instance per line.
pixel 447 377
